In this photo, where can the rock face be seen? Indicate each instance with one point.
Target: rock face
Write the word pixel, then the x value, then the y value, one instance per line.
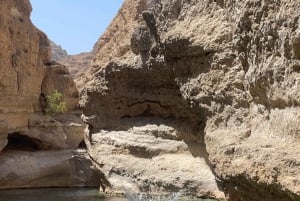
pixel 57 52
pixel 27 134
pixel 143 135
pixel 115 41
pixel 58 78
pixel 216 89
pixel 45 169
pixel 57 132
pixel 153 155
pixel 27 75
pixel 23 50
pixel 77 64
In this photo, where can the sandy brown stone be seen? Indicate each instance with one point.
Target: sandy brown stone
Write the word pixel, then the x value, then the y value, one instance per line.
pixel 27 76
pixel 3 135
pixel 58 78
pixel 77 64
pixel 229 67
pixel 46 169
pixel 23 51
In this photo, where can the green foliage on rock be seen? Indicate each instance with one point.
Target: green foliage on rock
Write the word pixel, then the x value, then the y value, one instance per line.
pixel 55 103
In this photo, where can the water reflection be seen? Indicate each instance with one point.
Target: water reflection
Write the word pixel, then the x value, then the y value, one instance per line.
pixel 83 194
pixel 149 197
pixel 53 194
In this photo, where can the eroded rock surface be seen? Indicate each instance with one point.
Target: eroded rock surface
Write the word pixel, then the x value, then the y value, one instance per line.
pixel 227 70
pixel 27 77
pixel 23 50
pixel 57 52
pixel 46 169
pixel 56 132
pixel 58 78
pixel 77 64
pixel 155 156
pixel 143 135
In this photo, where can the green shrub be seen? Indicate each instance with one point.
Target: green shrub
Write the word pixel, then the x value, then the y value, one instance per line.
pixel 55 104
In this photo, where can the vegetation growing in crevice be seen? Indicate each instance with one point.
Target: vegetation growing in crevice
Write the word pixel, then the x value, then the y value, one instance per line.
pixel 55 103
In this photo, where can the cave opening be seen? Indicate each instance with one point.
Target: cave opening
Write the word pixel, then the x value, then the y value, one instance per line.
pixel 82 145
pixel 17 141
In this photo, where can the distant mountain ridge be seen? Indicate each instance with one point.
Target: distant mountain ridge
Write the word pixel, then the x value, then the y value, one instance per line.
pixel 77 64
pixel 57 52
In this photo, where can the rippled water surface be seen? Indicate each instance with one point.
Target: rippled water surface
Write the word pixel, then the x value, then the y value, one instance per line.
pixel 81 194
pixel 54 194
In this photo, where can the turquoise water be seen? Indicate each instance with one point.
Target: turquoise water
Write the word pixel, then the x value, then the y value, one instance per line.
pixel 53 194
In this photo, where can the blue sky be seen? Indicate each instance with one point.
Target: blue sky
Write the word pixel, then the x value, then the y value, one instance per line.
pixel 76 25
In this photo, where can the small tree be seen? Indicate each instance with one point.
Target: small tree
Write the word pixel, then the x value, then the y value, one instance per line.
pixel 55 104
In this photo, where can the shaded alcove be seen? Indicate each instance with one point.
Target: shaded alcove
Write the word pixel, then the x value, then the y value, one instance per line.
pixel 82 145
pixel 17 141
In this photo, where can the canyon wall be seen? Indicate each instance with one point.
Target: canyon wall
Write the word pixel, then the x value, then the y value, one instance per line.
pixel 23 51
pixel 77 64
pixel 198 97
pixel 27 75
pixel 32 144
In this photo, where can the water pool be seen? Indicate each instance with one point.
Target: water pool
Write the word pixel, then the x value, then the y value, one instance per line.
pixel 80 194
pixel 55 194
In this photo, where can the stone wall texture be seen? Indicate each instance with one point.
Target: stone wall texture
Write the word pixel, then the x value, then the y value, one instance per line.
pixel 202 99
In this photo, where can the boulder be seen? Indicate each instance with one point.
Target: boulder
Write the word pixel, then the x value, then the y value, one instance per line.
pixel 56 132
pixel 66 168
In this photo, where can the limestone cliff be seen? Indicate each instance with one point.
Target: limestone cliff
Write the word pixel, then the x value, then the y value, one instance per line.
pixel 23 51
pixel 77 64
pixel 27 77
pixel 193 92
pixel 143 135
pixel 57 52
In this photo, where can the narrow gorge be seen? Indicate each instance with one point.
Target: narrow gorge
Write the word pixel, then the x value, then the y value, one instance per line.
pixel 195 97
pixel 38 150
